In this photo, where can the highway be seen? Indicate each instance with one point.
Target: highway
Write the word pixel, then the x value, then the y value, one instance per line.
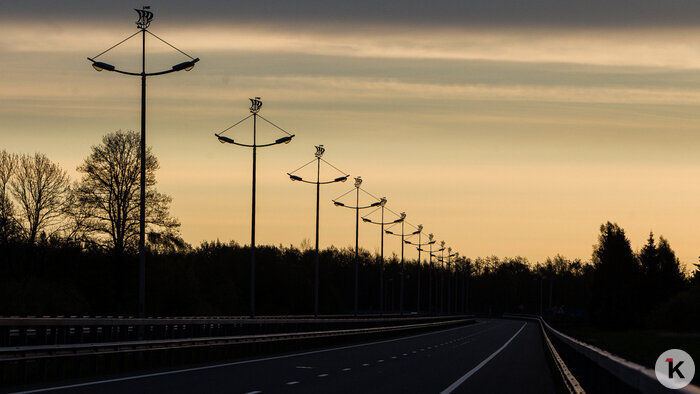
pixel 491 356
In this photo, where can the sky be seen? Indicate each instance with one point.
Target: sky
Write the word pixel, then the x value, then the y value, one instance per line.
pixel 506 128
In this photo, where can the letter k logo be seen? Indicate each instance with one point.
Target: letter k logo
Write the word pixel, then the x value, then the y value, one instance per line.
pixel 672 369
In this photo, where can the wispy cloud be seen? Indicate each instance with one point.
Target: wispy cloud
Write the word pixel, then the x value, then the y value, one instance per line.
pixel 672 47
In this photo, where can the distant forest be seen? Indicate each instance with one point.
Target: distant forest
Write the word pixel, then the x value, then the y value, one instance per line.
pixel 70 249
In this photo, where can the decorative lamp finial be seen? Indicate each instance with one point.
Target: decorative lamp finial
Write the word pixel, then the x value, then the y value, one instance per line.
pixel 319 151
pixel 145 17
pixel 358 181
pixel 255 105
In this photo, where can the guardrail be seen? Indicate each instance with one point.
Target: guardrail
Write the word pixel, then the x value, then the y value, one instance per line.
pixel 567 380
pixel 24 364
pixel 25 331
pixel 633 376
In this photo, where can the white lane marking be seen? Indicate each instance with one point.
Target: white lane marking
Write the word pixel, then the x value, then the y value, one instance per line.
pixel 413 351
pixel 254 392
pixel 404 354
pixel 346 369
pixel 365 365
pixel 96 382
pixel 393 357
pixel 474 370
pixel 323 375
pixel 380 361
pixel 293 382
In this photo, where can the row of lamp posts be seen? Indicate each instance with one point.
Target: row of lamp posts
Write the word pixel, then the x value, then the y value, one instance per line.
pixel 143 23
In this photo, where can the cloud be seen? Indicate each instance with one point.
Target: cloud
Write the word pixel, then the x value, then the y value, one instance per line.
pixel 475 13
pixel 675 48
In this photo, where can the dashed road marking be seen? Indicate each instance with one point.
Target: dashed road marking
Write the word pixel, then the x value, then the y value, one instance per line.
pixel 257 360
pixel 346 369
pixel 380 361
pixel 365 365
pixel 293 382
pixel 323 375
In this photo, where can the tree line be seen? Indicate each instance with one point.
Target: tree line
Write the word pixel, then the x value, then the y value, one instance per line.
pixel 70 249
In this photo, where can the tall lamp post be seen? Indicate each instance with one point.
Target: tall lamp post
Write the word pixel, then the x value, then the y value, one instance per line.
pixel 431 307
pixel 255 105
pixel 403 236
pixel 319 153
pixel 419 246
pixel 144 21
pixel 381 223
pixel 449 279
pixel 456 261
pixel 357 207
pixel 442 276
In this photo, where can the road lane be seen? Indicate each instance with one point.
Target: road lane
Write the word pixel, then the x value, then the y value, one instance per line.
pixel 422 363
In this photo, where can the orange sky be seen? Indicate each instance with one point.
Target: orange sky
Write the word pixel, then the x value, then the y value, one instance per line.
pixel 500 140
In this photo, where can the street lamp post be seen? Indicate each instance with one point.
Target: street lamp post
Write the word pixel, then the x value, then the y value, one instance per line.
pixel 456 292
pixel 357 207
pixel 319 153
pixel 403 235
pixel 381 223
pixel 442 277
pixel 255 105
pixel 419 246
pixel 449 279
pixel 145 17
pixel 431 307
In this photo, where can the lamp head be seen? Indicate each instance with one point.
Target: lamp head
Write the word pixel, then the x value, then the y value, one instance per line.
pixel 294 177
pixel 223 139
pixel 382 201
pixel 403 215
pixel 284 140
pixel 358 181
pixel 187 66
pixel 99 66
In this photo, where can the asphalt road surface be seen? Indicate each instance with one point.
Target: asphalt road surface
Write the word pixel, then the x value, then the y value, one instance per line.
pixel 491 356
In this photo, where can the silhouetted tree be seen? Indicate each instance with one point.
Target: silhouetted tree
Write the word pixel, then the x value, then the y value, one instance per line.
pixel 671 278
pixel 616 280
pixel 40 188
pixel 9 227
pixel 108 192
